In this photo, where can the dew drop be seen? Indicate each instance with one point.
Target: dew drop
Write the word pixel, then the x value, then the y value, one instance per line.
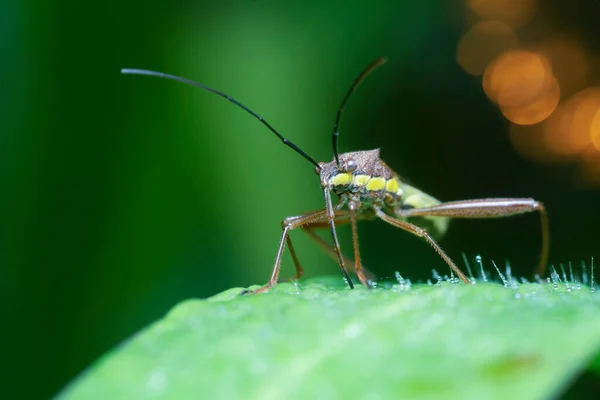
pixel 504 281
pixel 466 261
pixel 403 284
pixel 571 272
pixel 399 278
pixel 564 275
pixel 437 277
pixel 478 261
pixel 555 279
pixel 584 276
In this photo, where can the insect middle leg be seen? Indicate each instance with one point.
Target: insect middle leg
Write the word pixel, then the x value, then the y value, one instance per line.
pixel 489 208
pixel 420 232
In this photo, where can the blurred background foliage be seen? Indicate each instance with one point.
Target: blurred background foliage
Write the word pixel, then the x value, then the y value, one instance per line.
pixel 124 195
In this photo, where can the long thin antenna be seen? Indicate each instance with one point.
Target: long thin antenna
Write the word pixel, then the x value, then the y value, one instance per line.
pixel 370 68
pixel 231 99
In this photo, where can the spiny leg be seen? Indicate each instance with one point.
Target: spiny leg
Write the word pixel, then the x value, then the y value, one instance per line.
pixel 420 232
pixel 489 208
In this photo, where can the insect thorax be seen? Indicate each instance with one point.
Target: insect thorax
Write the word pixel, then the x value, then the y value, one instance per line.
pixel 363 176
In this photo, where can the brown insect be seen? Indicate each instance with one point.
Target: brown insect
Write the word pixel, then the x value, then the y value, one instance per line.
pixel 368 189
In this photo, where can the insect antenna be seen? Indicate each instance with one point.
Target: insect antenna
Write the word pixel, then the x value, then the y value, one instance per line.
pixel 370 68
pixel 225 96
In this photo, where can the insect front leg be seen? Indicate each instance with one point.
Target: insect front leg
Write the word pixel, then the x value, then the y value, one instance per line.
pixel 341 218
pixel 331 219
pixel 420 232
pixel 489 208
pixel 287 225
pixel 354 205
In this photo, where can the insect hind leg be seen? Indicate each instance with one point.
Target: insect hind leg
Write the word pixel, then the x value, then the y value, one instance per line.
pixel 420 232
pixel 489 208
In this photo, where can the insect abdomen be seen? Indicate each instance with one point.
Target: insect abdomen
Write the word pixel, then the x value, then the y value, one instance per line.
pixel 414 198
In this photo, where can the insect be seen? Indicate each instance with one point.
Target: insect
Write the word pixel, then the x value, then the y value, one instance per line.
pixel 367 189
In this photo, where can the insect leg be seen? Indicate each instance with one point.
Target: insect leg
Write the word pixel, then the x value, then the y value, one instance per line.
pixel 299 269
pixel 308 229
pixel 490 208
pixel 331 218
pixel 357 263
pixel 344 219
pixel 420 232
pixel 317 219
pixel 289 224
pixel 321 222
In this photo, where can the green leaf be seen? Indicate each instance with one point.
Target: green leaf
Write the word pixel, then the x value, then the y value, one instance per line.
pixel 319 339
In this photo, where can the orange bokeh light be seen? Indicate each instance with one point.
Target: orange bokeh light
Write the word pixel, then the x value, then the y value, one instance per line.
pixel 535 111
pixel 517 78
pixel 595 130
pixel 543 91
pixel 566 135
pixel 568 131
pixel 484 41
pixel 513 12
pixel 570 64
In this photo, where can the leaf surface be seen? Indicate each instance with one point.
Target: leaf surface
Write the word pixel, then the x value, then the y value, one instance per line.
pixel 318 339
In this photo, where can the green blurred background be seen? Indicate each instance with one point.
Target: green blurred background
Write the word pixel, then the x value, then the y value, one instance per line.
pixel 124 195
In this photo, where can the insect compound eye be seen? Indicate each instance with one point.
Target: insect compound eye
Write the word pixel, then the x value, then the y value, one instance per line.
pixel 318 170
pixel 351 166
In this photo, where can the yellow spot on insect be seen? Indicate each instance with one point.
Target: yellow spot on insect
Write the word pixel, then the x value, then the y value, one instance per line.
pixel 376 184
pixel 391 185
pixel 341 179
pixel 361 180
